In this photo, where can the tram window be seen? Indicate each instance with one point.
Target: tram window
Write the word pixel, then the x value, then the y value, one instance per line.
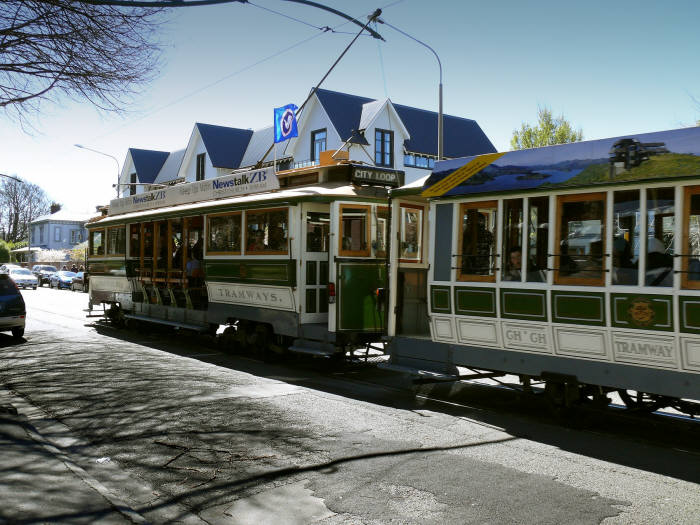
pixel 381 231
pixel 195 237
pixel 134 240
pixel 267 231
pixel 478 243
pixel 512 240
pixel 626 230
pixel 581 239
pixel 97 242
pixel 354 230
pixel 317 231
pixel 660 229
pixel 224 233
pixel 537 239
pixel 691 239
pixel 161 247
pixel 411 229
pixel 148 241
pixel 116 241
pixel 176 246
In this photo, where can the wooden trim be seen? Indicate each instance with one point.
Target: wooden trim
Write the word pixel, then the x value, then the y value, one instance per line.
pixel 685 282
pixel 264 252
pixel 419 260
pixel 368 232
pixel 579 281
pixel 381 254
pixel 240 240
pixel 467 276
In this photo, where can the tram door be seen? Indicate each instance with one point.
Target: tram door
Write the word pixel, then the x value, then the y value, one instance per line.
pixel 313 283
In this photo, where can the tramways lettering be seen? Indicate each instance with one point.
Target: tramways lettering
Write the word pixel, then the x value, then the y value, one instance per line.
pixel 648 349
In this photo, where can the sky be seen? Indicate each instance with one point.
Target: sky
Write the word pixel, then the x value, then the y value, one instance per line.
pixel 610 68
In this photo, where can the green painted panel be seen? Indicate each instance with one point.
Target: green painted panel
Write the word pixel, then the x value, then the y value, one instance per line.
pixel 646 312
pixel 689 308
pixel 578 308
pixel 440 299
pixel 311 301
pixel 524 304
pixel 310 272
pixel 357 284
pixel 117 268
pixel 475 301
pixel 272 272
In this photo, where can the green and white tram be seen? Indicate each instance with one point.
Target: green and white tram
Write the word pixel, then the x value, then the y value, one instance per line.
pixel 292 260
pixel 576 264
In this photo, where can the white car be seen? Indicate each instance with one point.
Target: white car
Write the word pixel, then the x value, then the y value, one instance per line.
pixel 23 278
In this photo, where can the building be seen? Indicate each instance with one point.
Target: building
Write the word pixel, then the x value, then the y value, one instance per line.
pixel 376 132
pixel 62 230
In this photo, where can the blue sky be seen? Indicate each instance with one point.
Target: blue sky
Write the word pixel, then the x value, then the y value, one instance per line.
pixel 610 68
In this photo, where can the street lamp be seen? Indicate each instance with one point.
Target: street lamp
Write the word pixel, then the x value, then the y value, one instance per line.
pixel 440 136
pixel 106 155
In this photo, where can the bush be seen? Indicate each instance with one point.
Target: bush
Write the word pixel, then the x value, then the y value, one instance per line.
pixel 4 252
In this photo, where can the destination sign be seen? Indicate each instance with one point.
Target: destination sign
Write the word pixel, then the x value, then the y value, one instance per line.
pixel 255 181
pixel 363 175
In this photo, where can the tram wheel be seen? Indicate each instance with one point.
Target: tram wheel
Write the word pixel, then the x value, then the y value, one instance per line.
pixel 563 398
pixel 641 401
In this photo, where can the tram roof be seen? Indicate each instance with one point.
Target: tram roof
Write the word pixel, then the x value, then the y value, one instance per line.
pixel 317 192
pixel 630 158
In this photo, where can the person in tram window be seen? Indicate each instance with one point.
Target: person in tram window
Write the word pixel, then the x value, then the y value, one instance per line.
pixel 277 239
pixel 193 269
pixel 659 271
pixel 515 264
pixel 257 243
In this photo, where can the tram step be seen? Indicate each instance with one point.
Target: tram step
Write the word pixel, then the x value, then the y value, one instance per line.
pixel 318 348
pixel 195 327
pixel 424 374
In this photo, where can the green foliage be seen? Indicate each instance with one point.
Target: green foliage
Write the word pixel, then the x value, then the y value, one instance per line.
pixel 4 252
pixel 548 131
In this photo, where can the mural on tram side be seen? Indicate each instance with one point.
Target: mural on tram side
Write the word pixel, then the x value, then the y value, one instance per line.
pixel 665 154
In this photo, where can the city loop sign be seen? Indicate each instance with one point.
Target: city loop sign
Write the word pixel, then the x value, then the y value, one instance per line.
pixel 255 181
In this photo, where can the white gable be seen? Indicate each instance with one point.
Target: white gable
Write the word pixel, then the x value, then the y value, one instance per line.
pixel 313 118
pixel 188 168
pixel 125 177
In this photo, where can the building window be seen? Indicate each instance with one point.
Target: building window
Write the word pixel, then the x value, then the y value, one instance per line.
pixel 75 236
pixel 318 143
pixel 384 148
pixel 132 185
pixel 56 233
pixel 415 160
pixel 200 166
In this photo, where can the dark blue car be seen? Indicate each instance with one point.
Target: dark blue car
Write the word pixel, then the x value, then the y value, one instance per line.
pixel 12 309
pixel 61 279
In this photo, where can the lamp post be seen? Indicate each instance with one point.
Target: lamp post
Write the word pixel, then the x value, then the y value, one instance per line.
pixel 440 133
pixel 106 155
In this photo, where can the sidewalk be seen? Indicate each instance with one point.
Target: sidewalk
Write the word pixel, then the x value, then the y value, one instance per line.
pixel 38 485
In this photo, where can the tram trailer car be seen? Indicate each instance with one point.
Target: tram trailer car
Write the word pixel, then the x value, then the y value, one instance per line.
pixel 567 264
pixel 290 262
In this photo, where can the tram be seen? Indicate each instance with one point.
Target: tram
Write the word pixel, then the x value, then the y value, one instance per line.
pixel 288 261
pixel 577 265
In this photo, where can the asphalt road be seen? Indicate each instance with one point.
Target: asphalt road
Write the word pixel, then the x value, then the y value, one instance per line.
pixel 169 428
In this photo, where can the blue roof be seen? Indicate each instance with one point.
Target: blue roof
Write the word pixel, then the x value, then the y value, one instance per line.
pixel 226 146
pixel 642 157
pixel 463 136
pixel 147 163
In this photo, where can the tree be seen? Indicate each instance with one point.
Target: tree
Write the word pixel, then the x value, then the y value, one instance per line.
pixel 55 207
pixel 20 203
pixel 53 48
pixel 548 131
pixel 4 252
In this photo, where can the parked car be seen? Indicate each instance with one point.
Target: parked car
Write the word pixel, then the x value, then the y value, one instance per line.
pixel 23 278
pixel 12 309
pixel 61 279
pixel 81 281
pixel 43 272
pixel 5 268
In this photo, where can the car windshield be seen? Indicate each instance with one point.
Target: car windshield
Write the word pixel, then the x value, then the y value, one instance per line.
pixel 20 271
pixel 7 287
pixel 49 268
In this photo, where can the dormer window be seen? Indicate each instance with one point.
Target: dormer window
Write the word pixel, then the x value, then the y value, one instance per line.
pixel 132 185
pixel 384 148
pixel 318 143
pixel 200 166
